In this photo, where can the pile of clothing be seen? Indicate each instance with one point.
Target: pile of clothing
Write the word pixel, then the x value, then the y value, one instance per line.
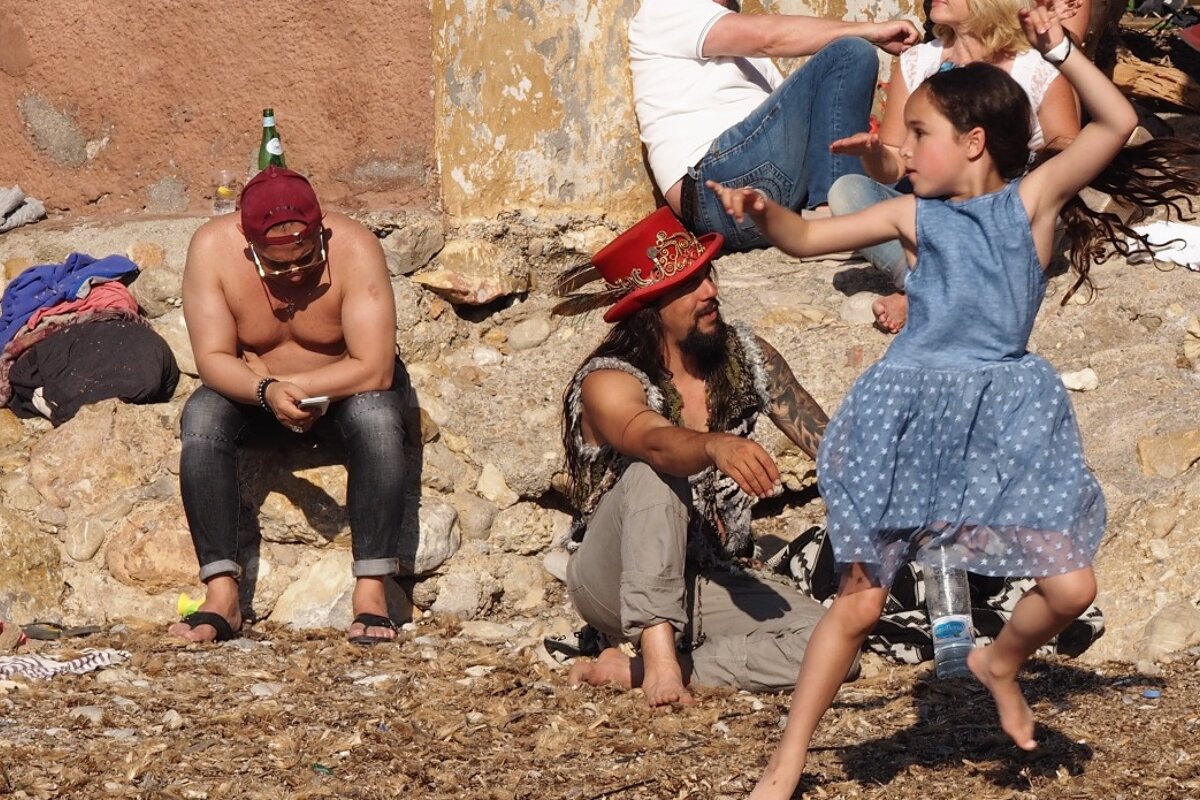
pixel 71 334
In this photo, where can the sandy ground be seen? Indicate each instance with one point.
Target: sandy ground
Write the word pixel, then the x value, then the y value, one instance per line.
pixel 286 714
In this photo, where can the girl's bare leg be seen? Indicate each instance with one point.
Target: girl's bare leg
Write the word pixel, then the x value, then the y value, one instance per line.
pixel 831 650
pixel 1043 612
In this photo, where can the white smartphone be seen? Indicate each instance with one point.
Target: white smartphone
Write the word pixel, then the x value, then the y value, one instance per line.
pixel 318 404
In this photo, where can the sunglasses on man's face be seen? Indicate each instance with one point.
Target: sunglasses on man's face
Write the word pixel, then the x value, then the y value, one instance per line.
pixel 270 268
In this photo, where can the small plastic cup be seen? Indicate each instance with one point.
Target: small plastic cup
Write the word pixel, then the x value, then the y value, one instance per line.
pixel 227 187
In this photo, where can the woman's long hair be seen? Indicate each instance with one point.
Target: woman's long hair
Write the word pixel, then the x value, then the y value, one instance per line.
pixel 1162 173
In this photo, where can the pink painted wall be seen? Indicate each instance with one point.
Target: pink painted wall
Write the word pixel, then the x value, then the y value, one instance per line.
pixel 121 106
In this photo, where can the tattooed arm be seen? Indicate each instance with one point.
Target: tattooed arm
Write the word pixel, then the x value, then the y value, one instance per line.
pixel 792 409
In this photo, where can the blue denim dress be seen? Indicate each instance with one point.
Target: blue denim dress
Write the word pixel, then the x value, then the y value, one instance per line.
pixel 959 436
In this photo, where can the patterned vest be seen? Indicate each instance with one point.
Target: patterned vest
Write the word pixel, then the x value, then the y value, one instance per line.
pixel 715 496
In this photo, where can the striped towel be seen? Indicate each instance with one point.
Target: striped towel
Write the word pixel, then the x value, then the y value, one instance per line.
pixel 44 667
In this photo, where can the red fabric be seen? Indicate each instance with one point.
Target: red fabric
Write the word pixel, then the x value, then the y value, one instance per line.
pixel 107 295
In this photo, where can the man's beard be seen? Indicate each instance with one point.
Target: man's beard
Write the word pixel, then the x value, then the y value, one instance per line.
pixel 707 351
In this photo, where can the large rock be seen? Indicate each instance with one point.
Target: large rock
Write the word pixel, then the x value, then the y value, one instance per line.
pixel 158 290
pixel 475 272
pixel 1170 454
pixel 410 246
pixel 106 449
pixel 320 596
pixel 439 537
pixel 152 549
pixel 172 328
pixel 31 581
pixel 527 529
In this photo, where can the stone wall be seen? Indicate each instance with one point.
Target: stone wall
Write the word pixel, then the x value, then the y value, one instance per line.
pixel 473 108
pixel 123 107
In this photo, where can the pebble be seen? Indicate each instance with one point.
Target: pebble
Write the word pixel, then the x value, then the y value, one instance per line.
pixel 1084 380
pixel 475 718
pixel 487 356
pixel 264 690
pixel 121 733
pixel 856 309
pixel 1152 694
pixel 91 714
pixel 172 720
pixel 530 333
pixel 478 671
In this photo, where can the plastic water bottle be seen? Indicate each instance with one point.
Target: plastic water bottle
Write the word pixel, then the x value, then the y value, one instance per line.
pixel 948 599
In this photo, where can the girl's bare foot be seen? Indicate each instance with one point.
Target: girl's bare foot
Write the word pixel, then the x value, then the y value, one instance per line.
pixel 778 780
pixel 891 312
pixel 1016 718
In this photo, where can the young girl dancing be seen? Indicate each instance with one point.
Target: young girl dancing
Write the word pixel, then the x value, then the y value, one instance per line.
pixel 959 437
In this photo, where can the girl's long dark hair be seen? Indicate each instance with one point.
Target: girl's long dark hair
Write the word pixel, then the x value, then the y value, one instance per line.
pixel 1161 173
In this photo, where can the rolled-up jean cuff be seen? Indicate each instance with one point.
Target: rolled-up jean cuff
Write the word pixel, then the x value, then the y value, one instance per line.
pixel 375 567
pixel 222 567
pixel 649 600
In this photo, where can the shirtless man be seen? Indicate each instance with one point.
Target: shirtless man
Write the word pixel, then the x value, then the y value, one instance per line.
pixel 282 304
pixel 658 424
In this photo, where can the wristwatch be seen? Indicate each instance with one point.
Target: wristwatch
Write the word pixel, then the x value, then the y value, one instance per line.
pixel 1058 54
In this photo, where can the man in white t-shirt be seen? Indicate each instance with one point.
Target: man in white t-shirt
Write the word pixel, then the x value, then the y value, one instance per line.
pixel 712 106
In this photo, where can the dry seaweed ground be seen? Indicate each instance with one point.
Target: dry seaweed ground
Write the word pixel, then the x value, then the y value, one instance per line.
pixel 284 714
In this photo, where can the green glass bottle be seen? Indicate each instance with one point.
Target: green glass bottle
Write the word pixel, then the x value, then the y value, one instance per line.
pixel 271 150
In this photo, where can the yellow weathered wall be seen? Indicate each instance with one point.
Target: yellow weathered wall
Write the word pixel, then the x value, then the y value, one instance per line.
pixel 533 104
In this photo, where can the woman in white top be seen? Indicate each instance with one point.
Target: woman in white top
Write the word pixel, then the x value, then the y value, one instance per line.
pixel 967 31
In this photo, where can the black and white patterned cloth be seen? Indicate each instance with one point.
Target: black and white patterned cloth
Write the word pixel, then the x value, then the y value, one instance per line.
pixel 44 667
pixel 903 630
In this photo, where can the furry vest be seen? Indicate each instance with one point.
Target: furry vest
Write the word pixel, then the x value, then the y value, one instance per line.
pixel 715 496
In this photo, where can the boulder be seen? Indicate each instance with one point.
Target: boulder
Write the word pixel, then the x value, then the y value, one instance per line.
pixel 31 581
pixel 475 272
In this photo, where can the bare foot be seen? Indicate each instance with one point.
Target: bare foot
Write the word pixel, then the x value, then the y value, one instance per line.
pixel 778 781
pixel 611 666
pixel 370 597
pixel 662 682
pixel 1016 718
pixel 662 687
pixel 891 312
pixel 221 598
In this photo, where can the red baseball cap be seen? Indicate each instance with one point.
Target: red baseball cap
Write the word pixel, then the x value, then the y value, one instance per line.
pixel 273 197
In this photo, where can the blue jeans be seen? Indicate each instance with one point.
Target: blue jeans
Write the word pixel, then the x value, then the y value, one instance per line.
pixel 851 194
pixel 782 147
pixel 371 426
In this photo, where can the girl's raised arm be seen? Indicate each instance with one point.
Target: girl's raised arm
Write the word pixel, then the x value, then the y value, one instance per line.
pixel 1050 185
pixel 796 236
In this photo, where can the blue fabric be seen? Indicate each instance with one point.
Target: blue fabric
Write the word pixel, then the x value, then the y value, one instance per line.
pixel 782 147
pixel 851 194
pixel 959 436
pixel 51 284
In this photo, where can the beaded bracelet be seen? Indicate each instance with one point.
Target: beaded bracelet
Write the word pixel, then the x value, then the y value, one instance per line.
pixel 261 391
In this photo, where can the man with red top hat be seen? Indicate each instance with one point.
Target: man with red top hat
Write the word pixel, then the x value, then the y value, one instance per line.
pixel 284 303
pixel 664 472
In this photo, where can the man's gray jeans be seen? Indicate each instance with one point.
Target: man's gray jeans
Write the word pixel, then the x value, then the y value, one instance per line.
pixel 632 572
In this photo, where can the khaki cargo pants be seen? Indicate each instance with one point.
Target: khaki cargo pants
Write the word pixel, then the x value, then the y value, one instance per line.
pixel 632 572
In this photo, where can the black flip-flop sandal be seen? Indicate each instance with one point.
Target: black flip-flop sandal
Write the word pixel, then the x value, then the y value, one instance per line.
pixel 372 621
pixel 221 625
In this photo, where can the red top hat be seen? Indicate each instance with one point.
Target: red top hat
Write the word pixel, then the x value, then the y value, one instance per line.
pixel 639 266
